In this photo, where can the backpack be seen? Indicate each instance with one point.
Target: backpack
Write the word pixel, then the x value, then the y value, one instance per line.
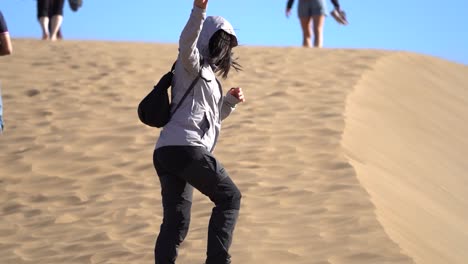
pixel 155 109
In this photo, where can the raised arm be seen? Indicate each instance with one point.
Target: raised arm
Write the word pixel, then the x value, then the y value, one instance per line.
pixel 189 55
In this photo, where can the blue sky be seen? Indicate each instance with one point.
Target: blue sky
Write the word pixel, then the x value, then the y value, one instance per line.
pixel 430 27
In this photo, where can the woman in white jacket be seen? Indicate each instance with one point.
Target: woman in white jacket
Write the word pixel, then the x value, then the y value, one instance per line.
pixel 183 156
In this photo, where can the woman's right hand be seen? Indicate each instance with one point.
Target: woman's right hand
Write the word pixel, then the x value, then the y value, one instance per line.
pixel 201 3
pixel 237 93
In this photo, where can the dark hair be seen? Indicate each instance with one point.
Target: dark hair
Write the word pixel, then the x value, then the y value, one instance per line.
pixel 220 47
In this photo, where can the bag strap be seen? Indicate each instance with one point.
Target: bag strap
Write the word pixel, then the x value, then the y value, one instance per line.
pixel 187 92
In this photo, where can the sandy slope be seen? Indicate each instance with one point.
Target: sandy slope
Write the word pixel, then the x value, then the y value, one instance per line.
pixel 77 183
pixel 406 133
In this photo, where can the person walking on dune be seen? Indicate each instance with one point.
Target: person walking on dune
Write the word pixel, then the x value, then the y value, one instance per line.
pixel 183 157
pixel 5 49
pixel 312 14
pixel 50 16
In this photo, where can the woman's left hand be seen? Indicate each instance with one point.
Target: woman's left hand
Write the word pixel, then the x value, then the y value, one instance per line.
pixel 237 92
pixel 201 3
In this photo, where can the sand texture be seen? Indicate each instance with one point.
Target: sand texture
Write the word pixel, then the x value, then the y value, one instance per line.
pixel 342 157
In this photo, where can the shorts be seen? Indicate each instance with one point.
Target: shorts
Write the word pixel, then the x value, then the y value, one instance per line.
pixel 49 8
pixel 308 8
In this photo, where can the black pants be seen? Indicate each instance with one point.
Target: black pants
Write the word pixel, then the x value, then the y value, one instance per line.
pixel 179 168
pixel 49 8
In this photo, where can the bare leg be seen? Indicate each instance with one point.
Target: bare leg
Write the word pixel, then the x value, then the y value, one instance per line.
pixel 44 22
pixel 306 32
pixel 56 23
pixel 318 30
pixel 59 34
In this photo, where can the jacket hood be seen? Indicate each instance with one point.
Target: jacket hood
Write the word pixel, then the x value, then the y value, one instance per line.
pixel 211 25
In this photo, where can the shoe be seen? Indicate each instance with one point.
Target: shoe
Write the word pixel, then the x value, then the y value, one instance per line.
pixel 339 16
pixel 75 4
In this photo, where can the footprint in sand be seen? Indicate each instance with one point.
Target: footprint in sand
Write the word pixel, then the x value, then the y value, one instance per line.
pixel 32 92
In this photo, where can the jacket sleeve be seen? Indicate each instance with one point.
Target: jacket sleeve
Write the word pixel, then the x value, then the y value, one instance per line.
pixel 289 4
pixel 229 104
pixel 336 4
pixel 189 55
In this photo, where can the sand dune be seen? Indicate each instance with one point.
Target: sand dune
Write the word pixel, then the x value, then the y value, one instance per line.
pixel 78 186
pixel 406 134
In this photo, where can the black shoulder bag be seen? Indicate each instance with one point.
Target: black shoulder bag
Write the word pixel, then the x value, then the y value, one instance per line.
pixel 154 109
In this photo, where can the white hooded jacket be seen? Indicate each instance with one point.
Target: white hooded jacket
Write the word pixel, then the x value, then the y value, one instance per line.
pixel 197 122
